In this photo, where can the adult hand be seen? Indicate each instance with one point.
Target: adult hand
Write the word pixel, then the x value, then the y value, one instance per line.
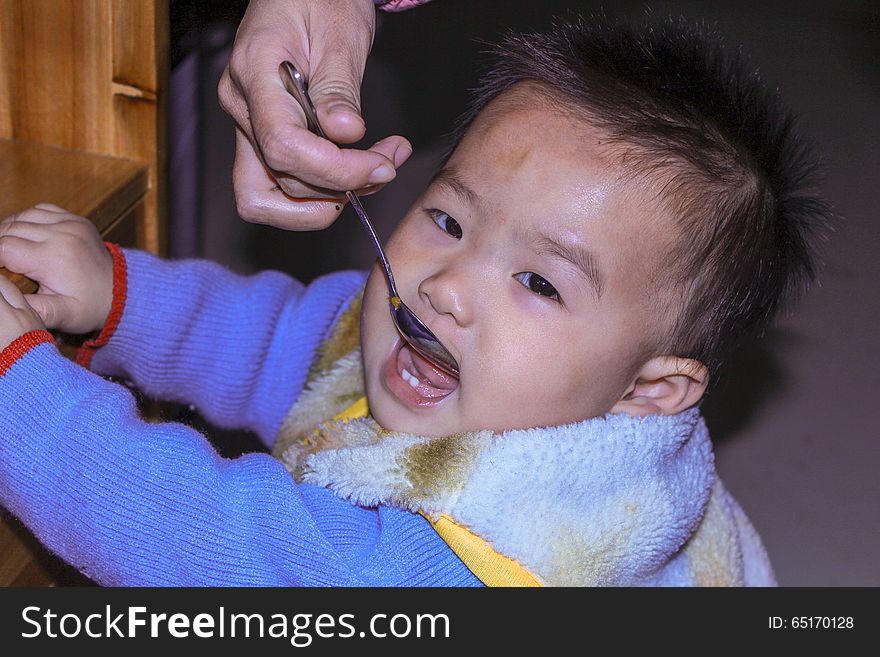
pixel 65 254
pixel 283 174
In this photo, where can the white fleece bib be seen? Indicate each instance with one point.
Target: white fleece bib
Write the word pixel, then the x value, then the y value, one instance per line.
pixel 613 500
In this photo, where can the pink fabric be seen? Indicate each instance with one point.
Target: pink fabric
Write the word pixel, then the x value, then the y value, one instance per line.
pixel 399 5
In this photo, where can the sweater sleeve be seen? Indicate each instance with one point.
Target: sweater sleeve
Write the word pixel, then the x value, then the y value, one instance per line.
pixel 238 348
pixel 131 503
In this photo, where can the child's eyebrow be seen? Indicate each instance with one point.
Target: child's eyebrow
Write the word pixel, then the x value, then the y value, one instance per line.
pixel 580 257
pixel 447 178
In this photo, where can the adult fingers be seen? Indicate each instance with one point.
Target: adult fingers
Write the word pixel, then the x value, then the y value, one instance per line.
pixel 296 158
pixel 260 200
pixel 395 148
pixel 276 125
pixel 288 148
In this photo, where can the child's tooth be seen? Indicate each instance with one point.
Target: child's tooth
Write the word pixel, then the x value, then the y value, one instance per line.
pixel 409 378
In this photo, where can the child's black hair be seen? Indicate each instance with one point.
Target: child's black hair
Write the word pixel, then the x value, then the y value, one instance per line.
pixel 737 176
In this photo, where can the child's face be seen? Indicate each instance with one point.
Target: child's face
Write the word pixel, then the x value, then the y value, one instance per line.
pixel 532 262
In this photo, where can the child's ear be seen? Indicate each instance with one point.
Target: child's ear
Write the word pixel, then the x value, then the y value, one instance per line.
pixel 665 385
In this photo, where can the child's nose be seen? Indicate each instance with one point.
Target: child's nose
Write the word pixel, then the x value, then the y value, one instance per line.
pixel 448 292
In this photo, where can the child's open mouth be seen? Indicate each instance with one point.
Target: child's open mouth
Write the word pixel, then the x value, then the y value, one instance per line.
pixel 414 380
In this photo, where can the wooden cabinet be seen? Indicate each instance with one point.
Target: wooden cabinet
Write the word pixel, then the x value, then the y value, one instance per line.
pixel 90 75
pixel 82 125
pixel 109 191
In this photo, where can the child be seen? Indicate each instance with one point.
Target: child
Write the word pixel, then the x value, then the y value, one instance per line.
pixel 619 208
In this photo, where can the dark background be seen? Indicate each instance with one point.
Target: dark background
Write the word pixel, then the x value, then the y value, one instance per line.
pixel 792 421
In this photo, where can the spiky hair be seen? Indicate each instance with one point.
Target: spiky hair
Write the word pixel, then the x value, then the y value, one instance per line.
pixel 739 180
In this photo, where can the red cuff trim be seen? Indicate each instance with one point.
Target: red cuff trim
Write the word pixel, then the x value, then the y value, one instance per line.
pixel 120 286
pixel 20 346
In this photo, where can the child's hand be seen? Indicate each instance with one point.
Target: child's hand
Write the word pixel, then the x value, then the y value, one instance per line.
pixel 16 316
pixel 64 254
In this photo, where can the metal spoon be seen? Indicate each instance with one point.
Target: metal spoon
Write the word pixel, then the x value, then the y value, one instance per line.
pixel 408 324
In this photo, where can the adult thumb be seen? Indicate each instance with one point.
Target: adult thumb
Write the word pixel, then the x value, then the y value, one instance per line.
pixel 336 69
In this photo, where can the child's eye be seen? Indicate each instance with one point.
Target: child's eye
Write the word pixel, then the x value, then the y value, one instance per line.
pixel 537 284
pixel 446 223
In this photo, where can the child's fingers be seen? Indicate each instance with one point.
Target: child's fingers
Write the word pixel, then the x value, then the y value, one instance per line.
pixel 26 230
pixel 16 316
pixel 51 208
pixel 10 295
pixel 52 308
pixel 43 225
pixel 41 215
pixel 19 255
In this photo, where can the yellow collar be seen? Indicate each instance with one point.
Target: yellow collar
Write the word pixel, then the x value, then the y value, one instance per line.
pixel 492 568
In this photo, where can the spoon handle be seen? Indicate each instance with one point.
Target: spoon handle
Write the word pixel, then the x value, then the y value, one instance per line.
pixel 298 87
pixel 359 209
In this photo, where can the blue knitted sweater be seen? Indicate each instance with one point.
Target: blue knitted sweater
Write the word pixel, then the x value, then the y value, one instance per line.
pixel 133 503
